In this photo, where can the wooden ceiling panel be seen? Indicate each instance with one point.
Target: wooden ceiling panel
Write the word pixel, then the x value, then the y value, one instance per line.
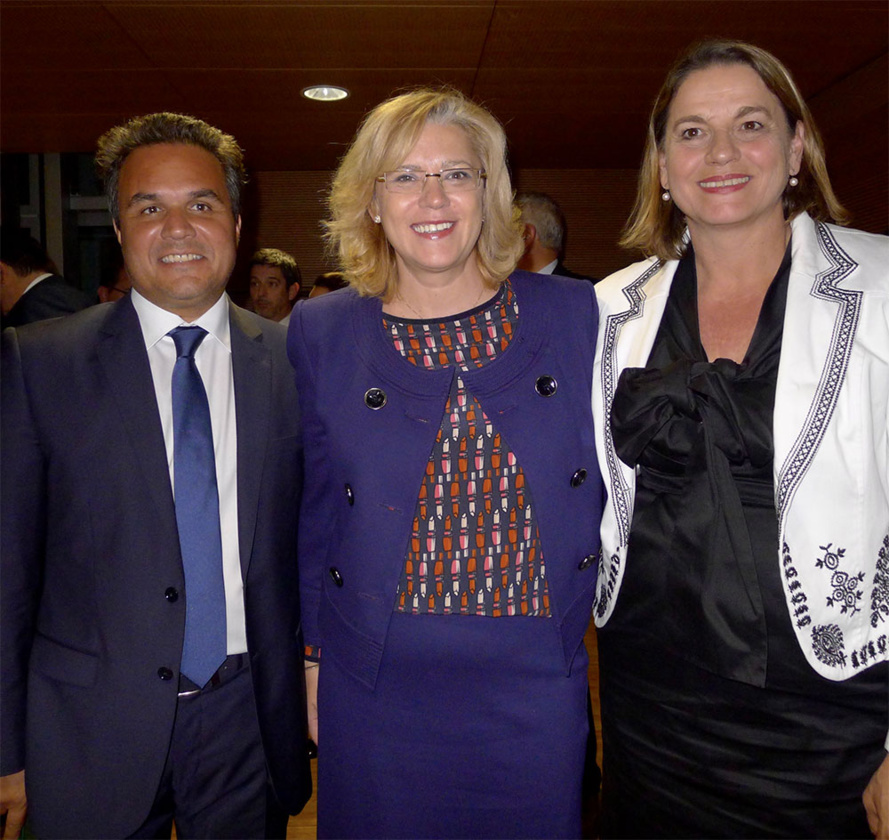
pixel 63 37
pixel 321 35
pixel 571 79
pixel 278 91
pixel 650 34
pixel 569 34
pixel 40 91
pixel 574 92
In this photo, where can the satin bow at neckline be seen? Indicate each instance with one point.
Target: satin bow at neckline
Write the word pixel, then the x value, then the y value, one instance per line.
pixel 701 430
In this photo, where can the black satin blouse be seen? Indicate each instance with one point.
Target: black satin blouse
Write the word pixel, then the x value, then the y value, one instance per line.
pixel 700 435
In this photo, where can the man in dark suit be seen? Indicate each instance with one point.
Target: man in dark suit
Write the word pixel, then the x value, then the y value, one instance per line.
pixel 151 657
pixel 30 288
pixel 544 236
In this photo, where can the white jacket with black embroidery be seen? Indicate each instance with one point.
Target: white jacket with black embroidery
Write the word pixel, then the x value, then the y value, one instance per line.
pixel 831 436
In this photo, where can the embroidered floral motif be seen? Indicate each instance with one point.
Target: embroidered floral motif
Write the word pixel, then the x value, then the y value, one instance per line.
pixel 871 651
pixel 827 643
pixel 797 596
pixel 831 559
pixel 846 594
pixel 879 601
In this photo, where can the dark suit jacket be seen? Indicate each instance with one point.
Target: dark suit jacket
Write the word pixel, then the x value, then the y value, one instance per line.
pixel 90 546
pixel 50 298
pixel 561 271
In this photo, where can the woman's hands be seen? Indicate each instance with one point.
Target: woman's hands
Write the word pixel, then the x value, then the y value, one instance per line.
pixel 876 801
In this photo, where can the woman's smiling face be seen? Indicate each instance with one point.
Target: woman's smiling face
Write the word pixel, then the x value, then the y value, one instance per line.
pixel 434 232
pixel 727 151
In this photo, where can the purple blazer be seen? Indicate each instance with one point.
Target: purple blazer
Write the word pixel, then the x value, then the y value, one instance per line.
pixel 364 465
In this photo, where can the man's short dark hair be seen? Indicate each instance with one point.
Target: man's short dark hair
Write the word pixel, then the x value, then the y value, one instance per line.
pixel 22 252
pixel 540 210
pixel 151 130
pixel 332 280
pixel 279 259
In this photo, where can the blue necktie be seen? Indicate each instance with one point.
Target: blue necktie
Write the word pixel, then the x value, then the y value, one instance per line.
pixel 197 513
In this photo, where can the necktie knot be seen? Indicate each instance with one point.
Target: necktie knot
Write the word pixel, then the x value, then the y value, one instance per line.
pixel 187 340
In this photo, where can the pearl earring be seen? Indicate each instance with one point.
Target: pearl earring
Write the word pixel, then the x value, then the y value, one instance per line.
pixel 793 181
pixel 665 195
pixel 377 219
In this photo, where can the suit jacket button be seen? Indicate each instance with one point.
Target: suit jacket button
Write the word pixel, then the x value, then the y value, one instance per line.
pixel 578 478
pixel 171 594
pixel 586 562
pixel 350 495
pixel 165 674
pixel 335 576
pixel 375 398
pixel 546 386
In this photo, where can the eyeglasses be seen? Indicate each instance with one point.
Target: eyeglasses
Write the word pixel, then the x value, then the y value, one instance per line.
pixel 451 180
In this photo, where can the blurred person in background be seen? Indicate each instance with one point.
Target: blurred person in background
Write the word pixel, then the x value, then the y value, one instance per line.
pixel 544 235
pixel 275 279
pixel 330 281
pixel 31 288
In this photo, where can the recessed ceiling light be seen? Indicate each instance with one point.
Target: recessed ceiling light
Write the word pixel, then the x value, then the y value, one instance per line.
pixel 325 93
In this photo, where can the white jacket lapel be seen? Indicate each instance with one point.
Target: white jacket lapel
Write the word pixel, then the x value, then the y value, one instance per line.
pixel 819 327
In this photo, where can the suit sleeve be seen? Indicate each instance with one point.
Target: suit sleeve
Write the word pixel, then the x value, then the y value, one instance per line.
pixel 22 534
pixel 315 516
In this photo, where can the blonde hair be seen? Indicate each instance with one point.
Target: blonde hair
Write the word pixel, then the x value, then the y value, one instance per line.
pixel 384 139
pixel 657 227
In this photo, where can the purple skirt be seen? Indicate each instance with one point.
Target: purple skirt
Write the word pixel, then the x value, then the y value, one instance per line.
pixel 474 729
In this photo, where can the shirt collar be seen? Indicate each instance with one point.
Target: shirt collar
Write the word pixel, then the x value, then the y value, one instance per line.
pixel 35 281
pixel 549 268
pixel 157 322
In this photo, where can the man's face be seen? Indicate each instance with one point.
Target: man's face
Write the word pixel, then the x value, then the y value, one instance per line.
pixel 269 292
pixel 176 227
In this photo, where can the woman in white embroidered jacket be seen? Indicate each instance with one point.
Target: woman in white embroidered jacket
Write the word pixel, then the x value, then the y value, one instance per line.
pixel 742 380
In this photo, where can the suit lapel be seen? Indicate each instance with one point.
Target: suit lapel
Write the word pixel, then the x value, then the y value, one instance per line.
pixel 252 373
pixel 124 359
pixel 820 323
pixel 626 339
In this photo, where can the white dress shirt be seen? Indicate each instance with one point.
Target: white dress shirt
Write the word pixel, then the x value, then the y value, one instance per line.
pixel 214 362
